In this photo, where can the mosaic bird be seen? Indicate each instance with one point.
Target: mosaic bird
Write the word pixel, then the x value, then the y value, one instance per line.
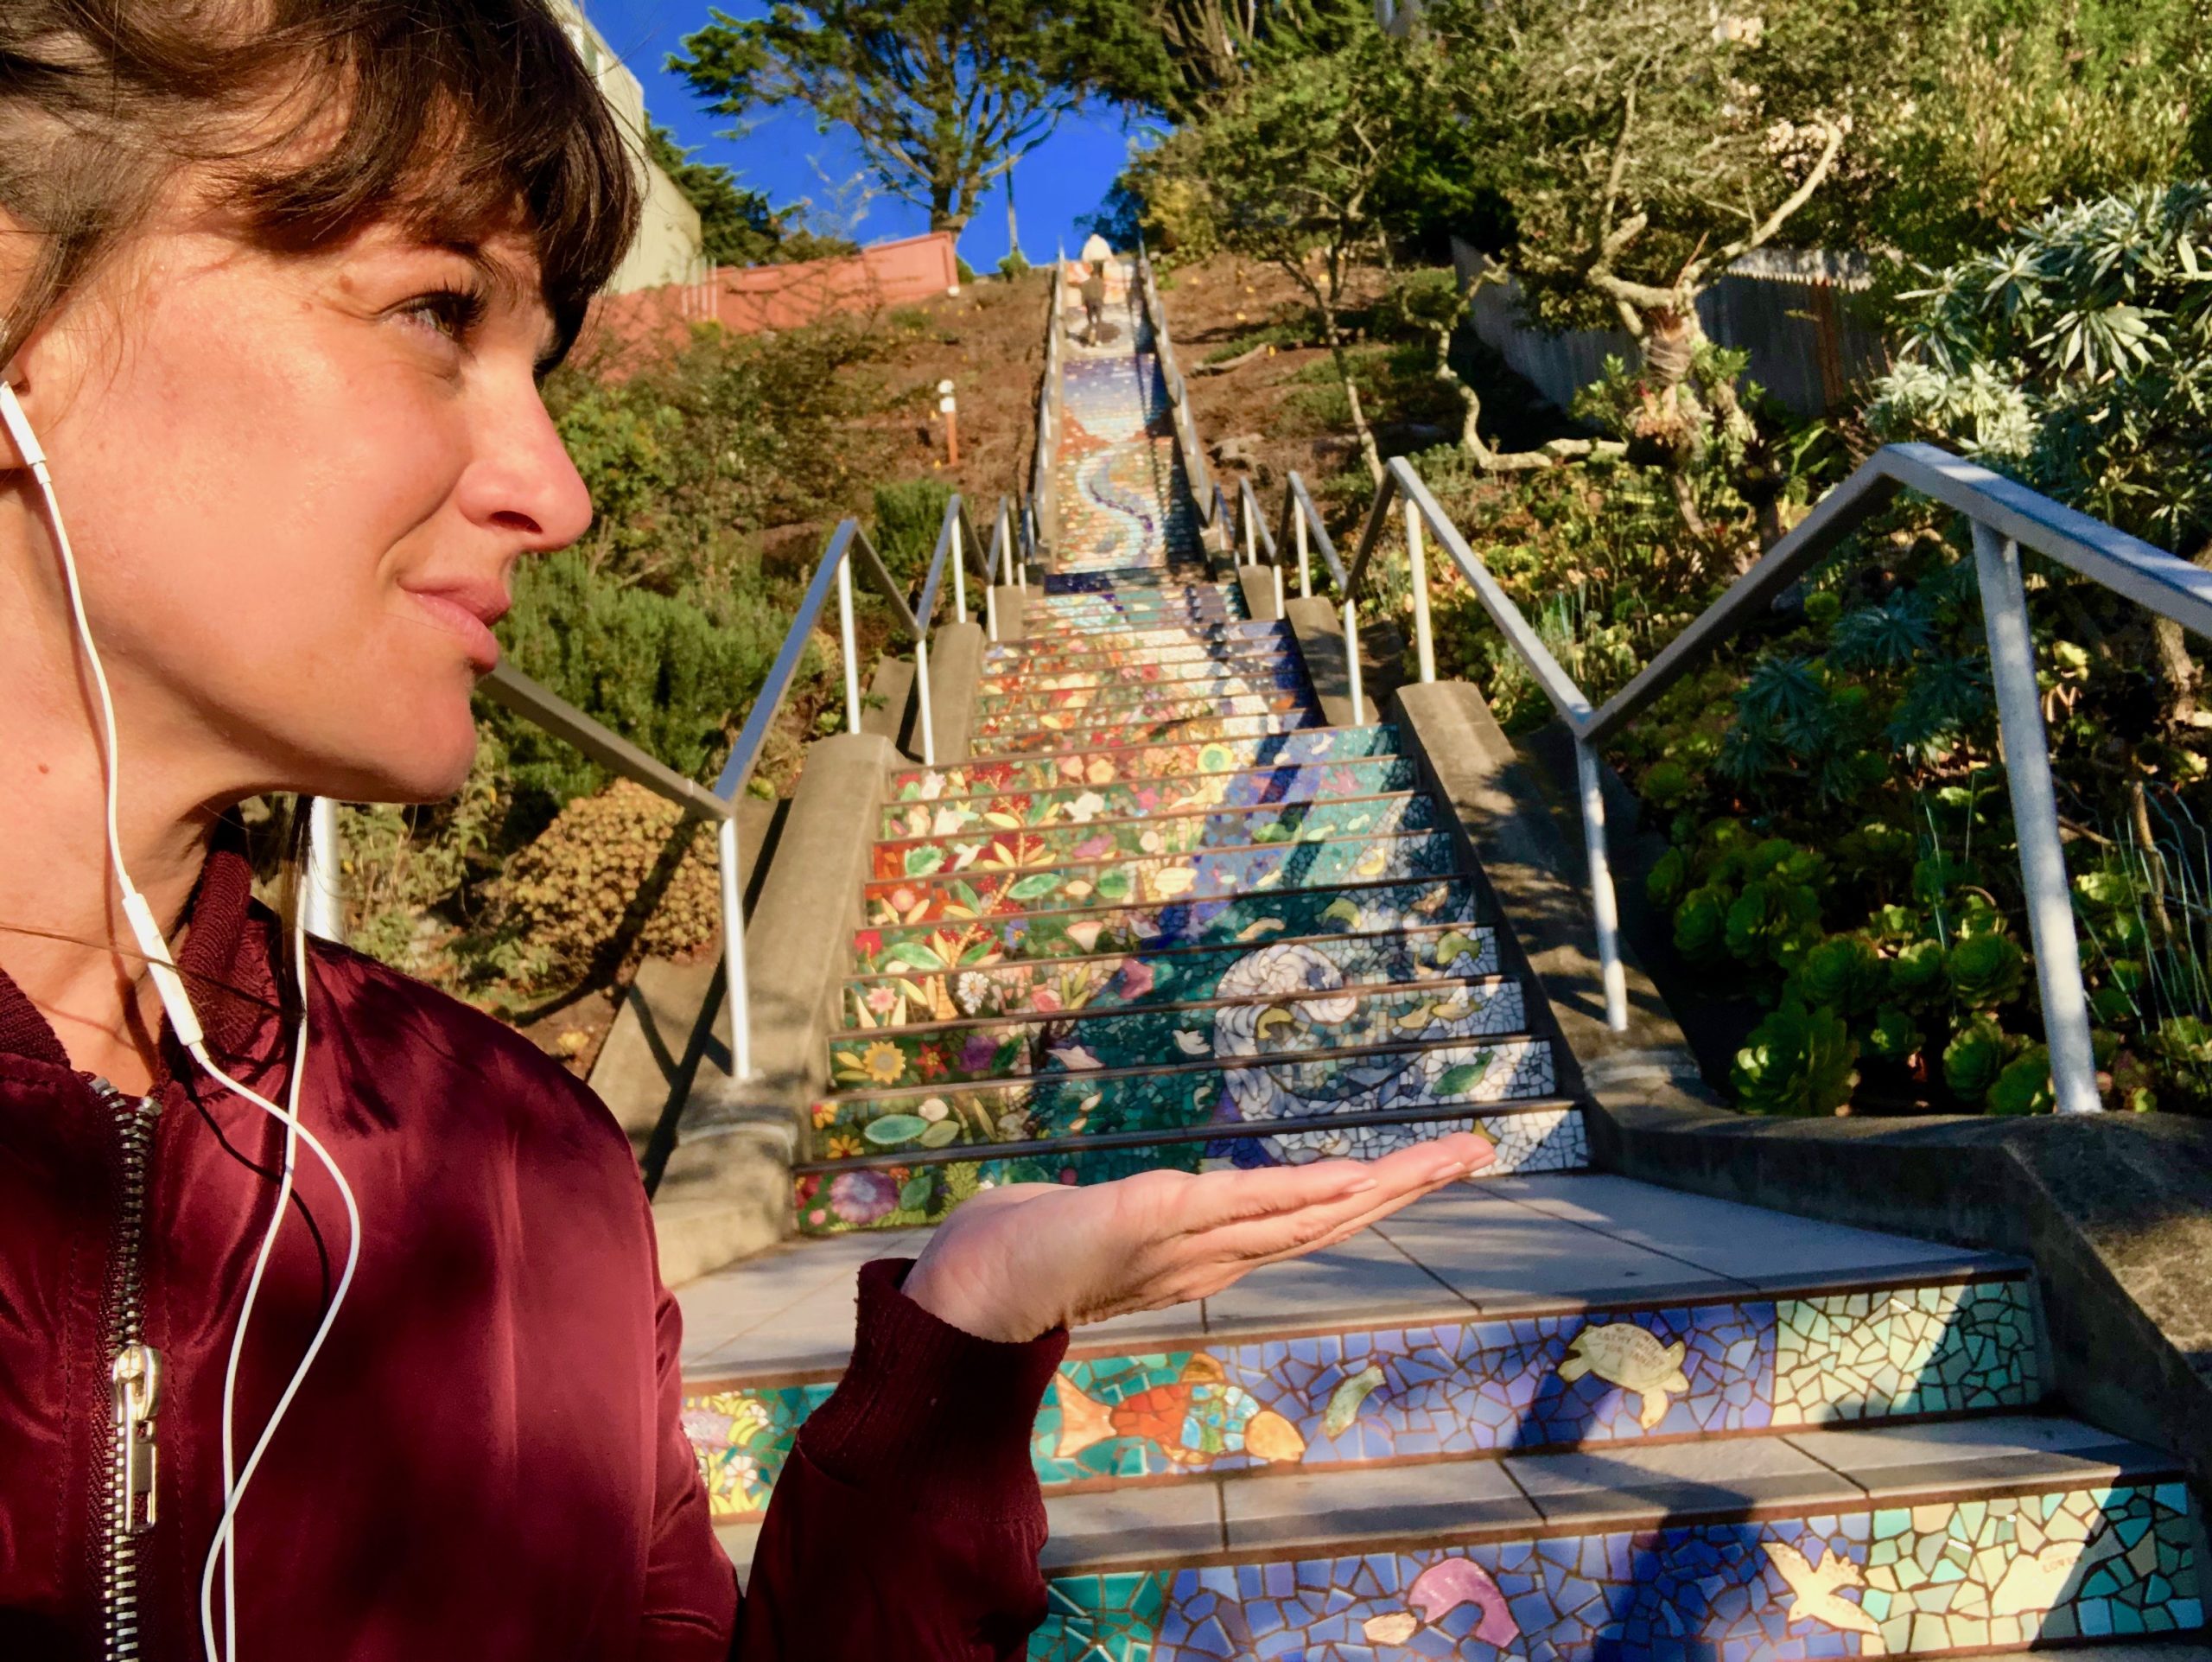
pixel 1622 1353
pixel 1198 1419
pixel 1815 1594
pixel 2033 1581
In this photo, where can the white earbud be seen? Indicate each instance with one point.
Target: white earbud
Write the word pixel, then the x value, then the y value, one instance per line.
pixel 177 1003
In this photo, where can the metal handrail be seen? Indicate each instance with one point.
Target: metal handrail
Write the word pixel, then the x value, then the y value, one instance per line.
pixel 1203 491
pixel 1302 524
pixel 1042 495
pixel 2004 516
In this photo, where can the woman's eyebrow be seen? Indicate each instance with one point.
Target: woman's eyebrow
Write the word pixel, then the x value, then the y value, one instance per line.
pixel 518 288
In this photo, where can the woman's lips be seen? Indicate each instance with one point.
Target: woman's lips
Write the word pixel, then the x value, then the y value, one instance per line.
pixel 460 619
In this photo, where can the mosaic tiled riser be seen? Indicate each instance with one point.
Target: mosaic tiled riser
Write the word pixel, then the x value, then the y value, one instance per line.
pixel 1379 908
pixel 1957 1574
pixel 1077 805
pixel 1369 858
pixel 1125 981
pixel 1150 762
pixel 1286 1027
pixel 897 1196
pixel 1238 1101
pixel 1473 1387
pixel 1295 821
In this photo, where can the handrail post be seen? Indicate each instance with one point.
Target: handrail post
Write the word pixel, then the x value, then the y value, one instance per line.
pixel 1305 553
pixel 1277 569
pixel 1417 569
pixel 1603 905
pixel 922 689
pixel 845 635
pixel 1351 663
pixel 322 904
pixel 959 574
pixel 2035 821
pixel 733 896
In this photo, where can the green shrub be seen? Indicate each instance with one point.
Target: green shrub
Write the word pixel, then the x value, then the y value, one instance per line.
pixel 908 515
pixel 667 672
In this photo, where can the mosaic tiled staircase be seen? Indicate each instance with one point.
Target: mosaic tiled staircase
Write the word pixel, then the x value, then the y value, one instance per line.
pixel 1169 917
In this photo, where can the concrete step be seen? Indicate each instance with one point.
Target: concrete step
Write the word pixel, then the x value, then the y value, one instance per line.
pixel 1131 980
pixel 1467 1305
pixel 1069 727
pixel 1388 1372
pixel 1189 1126
pixel 1268 1006
pixel 1243 921
pixel 1077 805
pixel 1114 764
pixel 1137 836
pixel 1279 868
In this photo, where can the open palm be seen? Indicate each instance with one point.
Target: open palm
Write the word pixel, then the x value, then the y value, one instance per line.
pixel 1015 1262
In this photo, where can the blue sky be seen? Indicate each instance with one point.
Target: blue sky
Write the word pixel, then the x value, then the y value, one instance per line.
pixel 1056 184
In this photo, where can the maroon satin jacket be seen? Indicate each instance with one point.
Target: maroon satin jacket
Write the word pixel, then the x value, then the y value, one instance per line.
pixel 485 1461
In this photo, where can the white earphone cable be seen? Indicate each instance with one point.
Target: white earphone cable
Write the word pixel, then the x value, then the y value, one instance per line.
pixel 177 1003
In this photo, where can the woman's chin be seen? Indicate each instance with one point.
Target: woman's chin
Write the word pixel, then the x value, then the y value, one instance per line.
pixel 432 766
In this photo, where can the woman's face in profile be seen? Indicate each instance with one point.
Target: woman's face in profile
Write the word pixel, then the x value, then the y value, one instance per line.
pixel 298 487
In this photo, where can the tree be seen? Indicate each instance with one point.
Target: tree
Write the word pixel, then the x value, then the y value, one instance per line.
pixel 2018 104
pixel 1293 166
pixel 2078 358
pixel 1191 52
pixel 1640 148
pixel 944 96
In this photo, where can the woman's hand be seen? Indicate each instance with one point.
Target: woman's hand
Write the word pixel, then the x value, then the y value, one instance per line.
pixel 1016 1262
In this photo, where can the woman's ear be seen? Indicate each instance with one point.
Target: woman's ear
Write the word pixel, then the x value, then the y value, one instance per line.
pixel 15 427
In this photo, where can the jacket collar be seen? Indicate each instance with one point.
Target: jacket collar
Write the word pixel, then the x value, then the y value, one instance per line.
pixel 224 964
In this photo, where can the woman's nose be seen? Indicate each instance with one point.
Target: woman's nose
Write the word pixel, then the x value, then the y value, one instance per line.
pixel 523 480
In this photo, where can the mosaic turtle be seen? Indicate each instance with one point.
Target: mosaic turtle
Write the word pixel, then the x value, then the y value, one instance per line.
pixel 1624 1354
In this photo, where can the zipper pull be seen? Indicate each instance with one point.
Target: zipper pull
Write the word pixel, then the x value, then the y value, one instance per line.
pixel 138 1383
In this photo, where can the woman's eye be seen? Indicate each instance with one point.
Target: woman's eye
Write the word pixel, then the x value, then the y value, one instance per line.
pixel 451 313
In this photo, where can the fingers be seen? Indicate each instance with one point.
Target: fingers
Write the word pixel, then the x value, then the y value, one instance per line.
pixel 1219 1198
pixel 1399 1180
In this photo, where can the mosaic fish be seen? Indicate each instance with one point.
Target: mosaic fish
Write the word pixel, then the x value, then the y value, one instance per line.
pixel 1198 1419
pixel 1624 1354
pixel 1443 1588
pixel 1344 1402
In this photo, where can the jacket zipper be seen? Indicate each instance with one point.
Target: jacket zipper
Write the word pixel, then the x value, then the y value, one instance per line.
pixel 134 1382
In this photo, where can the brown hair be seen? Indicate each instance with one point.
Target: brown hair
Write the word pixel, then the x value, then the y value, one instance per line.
pixel 316 118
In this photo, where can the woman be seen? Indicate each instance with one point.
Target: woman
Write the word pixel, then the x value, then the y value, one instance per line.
pixel 277 281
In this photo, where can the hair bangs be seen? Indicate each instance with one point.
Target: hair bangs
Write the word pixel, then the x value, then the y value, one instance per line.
pixel 460 121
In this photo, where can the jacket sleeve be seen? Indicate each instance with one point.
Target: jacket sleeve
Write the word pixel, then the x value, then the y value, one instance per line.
pixel 907 1521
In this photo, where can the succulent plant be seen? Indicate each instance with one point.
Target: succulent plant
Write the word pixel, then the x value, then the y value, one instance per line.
pixel 1916 972
pixel 1669 879
pixel 1987 970
pixel 1798 1061
pixel 1843 973
pixel 2023 1087
pixel 1702 922
pixel 1668 783
pixel 1895 1036
pixel 1772 920
pixel 1973 1059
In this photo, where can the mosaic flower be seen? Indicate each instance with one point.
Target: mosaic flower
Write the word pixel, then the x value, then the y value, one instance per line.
pixel 843 1145
pixel 882 1001
pixel 933 1110
pixel 879 1064
pixel 823 1113
pixel 859 1197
